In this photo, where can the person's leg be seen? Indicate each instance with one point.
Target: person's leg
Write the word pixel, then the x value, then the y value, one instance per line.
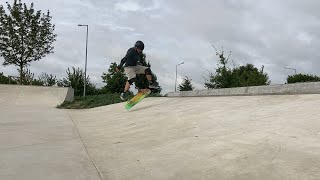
pixel 149 77
pixel 144 70
pixel 127 86
pixel 147 71
pixel 130 73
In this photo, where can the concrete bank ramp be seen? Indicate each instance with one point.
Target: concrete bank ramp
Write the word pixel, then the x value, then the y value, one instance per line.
pixel 35 95
pixel 38 141
pixel 223 138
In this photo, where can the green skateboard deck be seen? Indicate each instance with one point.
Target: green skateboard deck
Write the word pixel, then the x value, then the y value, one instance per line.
pixel 137 98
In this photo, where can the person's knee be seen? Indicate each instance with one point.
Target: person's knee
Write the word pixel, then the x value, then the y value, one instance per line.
pixel 148 71
pixel 132 80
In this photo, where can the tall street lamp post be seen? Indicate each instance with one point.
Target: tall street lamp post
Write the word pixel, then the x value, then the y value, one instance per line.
pixel 175 86
pixel 85 69
pixel 295 71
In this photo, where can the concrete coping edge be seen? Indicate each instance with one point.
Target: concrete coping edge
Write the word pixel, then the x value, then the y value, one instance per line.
pixel 278 89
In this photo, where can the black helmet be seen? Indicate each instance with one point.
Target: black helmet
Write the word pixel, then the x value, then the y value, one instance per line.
pixel 139 45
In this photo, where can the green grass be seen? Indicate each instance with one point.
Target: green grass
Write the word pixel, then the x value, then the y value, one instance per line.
pixel 95 101
pixel 91 101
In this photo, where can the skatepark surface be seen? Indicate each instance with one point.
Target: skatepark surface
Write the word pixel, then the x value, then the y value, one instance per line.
pixel 224 137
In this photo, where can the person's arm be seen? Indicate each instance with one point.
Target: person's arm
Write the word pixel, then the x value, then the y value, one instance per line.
pixel 124 60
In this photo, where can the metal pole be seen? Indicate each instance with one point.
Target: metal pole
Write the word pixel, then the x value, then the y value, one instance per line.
pixel 85 68
pixel 175 86
pixel 295 71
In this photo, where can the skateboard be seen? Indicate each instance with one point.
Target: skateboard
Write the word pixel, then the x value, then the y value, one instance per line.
pixel 137 98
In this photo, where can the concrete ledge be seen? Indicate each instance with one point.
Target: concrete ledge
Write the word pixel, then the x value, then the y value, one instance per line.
pixel 284 89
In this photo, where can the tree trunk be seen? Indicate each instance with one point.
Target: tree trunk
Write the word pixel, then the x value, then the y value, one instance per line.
pixel 21 73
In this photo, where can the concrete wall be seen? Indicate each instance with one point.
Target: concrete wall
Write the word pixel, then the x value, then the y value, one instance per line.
pixel 284 89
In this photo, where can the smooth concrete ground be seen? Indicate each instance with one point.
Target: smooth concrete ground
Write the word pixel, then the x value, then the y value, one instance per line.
pixel 257 137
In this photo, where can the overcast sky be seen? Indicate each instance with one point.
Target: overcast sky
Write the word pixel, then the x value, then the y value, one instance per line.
pixel 272 33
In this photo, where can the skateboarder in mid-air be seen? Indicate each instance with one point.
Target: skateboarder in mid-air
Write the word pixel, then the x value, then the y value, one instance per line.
pixel 131 68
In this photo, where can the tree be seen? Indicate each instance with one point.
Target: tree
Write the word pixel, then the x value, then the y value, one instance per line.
pixel 75 79
pixel 222 77
pixel 241 76
pixel 249 75
pixel 26 76
pixel 47 80
pixel 142 81
pixel 186 85
pixel 26 35
pixel 302 78
pixel 115 82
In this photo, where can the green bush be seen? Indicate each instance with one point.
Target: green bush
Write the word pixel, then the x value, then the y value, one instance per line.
pixel 3 79
pixel 241 76
pixel 302 78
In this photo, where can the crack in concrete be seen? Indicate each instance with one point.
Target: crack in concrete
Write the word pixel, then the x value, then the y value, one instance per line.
pixel 85 147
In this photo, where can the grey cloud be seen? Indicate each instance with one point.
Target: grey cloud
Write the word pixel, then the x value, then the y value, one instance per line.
pixel 272 33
